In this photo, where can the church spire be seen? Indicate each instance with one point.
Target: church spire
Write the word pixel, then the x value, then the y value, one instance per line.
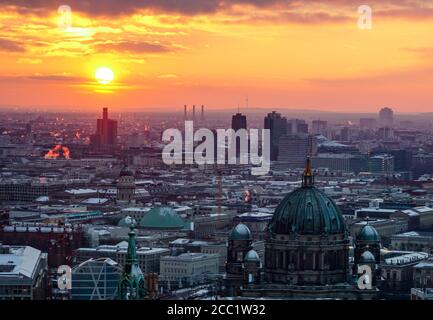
pixel 308 176
pixel 131 255
pixel 132 283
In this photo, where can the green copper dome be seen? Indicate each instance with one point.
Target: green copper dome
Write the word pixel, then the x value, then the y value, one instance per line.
pixel 369 234
pixel 307 211
pixel 240 232
pixel 162 218
pixel 367 257
pixel 252 256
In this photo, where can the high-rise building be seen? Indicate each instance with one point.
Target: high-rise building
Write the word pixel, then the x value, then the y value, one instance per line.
pixel 278 127
pixel 239 121
pixel 295 148
pixel 320 127
pixel 386 117
pixel 296 126
pixel 106 131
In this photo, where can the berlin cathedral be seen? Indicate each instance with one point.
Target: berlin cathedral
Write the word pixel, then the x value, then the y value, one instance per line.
pixel 306 253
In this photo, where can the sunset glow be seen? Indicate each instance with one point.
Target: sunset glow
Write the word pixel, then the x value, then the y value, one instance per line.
pixel 282 54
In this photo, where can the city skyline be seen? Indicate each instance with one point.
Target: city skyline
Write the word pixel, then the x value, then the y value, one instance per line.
pixel 277 54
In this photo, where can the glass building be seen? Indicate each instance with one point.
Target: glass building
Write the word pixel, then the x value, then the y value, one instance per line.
pixel 95 279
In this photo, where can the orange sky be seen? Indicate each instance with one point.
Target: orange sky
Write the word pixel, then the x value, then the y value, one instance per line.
pixel 167 53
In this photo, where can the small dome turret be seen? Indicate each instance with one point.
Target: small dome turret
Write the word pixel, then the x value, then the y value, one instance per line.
pixel 240 232
pixel 252 256
pixel 368 234
pixel 367 258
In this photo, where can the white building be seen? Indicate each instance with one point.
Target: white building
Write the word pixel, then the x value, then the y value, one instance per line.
pixel 188 268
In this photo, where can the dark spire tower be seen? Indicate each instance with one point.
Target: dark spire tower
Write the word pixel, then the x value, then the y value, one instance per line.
pixel 132 283
pixel 202 112
pixel 185 114
pixel 193 112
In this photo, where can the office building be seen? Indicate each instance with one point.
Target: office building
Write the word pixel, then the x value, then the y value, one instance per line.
pixel 386 117
pixel 23 273
pixel 148 258
pixel 294 149
pixel 278 127
pixel 95 280
pixel 188 269
pixel 106 132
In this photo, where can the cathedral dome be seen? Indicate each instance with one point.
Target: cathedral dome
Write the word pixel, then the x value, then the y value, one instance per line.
pixel 162 218
pixel 307 211
pixel 368 234
pixel 240 232
pixel 367 257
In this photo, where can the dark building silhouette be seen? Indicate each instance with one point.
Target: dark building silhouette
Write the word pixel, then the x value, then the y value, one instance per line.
pixel 106 132
pixel 239 121
pixel 278 127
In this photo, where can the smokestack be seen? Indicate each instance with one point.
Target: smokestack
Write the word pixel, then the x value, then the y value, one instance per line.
pixel 202 112
pixel 184 112
pixel 105 113
pixel 193 112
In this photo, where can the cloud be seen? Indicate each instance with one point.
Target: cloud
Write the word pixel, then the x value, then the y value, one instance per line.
pixel 63 77
pixel 168 76
pixel 132 47
pixel 11 46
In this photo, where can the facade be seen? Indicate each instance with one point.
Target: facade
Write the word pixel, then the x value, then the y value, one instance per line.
pixel 27 191
pixel 95 280
pixel 413 241
pixel 345 162
pixel 398 272
pixel 293 149
pixel 188 269
pixel 148 259
pixel 23 273
pixel 58 241
pixel 423 281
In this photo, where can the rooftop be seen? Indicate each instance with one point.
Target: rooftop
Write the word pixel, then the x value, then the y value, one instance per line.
pixel 19 261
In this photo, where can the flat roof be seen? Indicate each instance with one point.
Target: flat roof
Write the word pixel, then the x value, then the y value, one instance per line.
pixel 20 261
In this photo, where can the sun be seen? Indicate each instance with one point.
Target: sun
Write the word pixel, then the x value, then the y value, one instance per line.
pixel 104 75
